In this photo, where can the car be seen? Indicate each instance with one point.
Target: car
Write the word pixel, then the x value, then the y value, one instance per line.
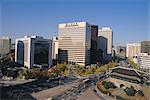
pixel 72 89
pixel 79 91
pixel 94 90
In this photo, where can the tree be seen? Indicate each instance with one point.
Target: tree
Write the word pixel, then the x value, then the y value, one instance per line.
pixel 130 91
pixel 134 65
pixel 22 73
pixel 11 73
pixel 108 85
pixel 93 70
pixel 4 70
pixel 140 93
pixel 121 85
pixel 119 98
pixel 62 69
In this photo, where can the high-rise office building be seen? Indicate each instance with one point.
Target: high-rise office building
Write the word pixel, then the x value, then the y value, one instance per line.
pixel 33 51
pixel 133 49
pixel 105 41
pixel 5 45
pixel 75 42
pixel 145 47
pixel 94 52
pixel 55 45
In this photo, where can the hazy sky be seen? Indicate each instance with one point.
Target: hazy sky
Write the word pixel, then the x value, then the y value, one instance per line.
pixel 129 19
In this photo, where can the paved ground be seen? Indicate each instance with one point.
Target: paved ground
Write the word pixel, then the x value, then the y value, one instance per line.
pixel 89 94
pixel 45 94
pixel 146 90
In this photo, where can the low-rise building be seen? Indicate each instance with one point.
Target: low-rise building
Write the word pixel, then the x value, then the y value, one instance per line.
pixel 143 59
pixel 120 51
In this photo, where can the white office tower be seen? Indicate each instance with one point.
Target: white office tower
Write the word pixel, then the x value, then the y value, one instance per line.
pixel 55 45
pixel 133 49
pixel 105 41
pixel 75 42
pixel 143 59
pixel 33 51
pixel 5 45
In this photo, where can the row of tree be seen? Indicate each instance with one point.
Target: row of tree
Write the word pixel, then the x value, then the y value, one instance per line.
pixel 83 71
pixel 36 73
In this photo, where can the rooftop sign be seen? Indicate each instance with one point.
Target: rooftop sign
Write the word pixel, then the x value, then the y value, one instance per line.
pixel 74 24
pixel 71 24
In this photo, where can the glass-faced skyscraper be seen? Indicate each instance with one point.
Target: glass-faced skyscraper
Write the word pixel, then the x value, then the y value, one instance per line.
pixel 75 42
pixel 33 51
pixel 94 50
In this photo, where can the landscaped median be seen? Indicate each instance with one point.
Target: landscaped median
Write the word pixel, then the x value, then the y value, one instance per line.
pixel 129 93
pixel 105 87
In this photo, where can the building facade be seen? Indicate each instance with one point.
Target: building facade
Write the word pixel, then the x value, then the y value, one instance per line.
pixel 55 45
pixel 5 45
pixel 120 51
pixel 105 41
pixel 133 49
pixel 94 58
pixel 75 42
pixel 33 51
pixel 143 59
pixel 144 62
pixel 145 47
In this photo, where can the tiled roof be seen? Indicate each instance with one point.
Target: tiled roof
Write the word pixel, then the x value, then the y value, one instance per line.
pixel 126 71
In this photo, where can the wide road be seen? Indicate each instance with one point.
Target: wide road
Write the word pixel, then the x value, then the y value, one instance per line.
pixel 49 93
pixel 80 88
pixel 90 94
pixel 73 92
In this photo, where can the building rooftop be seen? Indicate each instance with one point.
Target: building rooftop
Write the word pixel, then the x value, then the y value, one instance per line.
pixel 33 36
pixel 4 37
pixel 127 71
pixel 134 44
pixel 105 29
pixel 55 38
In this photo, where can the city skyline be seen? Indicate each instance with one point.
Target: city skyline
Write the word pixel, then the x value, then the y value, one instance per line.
pixel 126 18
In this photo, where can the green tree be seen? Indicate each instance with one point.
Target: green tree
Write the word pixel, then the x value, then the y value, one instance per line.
pixel 140 93
pixel 134 65
pixel 130 91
